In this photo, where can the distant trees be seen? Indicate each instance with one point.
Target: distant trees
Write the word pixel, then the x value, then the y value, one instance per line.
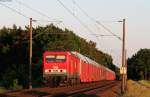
pixel 139 65
pixel 13 56
pixel 14 51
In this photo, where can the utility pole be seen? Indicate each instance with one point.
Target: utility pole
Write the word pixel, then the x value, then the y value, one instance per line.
pixel 123 59
pixel 126 69
pixel 30 55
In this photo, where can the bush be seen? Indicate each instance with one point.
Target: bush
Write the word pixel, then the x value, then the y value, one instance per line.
pixel 15 85
pixel 16 77
pixel 2 90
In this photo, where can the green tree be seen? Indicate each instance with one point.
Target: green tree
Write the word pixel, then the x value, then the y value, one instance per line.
pixel 139 65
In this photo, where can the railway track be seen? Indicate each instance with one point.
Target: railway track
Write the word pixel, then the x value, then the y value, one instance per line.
pixel 87 91
pixel 83 90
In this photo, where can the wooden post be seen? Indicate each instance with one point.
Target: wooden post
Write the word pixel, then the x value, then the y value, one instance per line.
pixel 30 55
pixel 123 58
pixel 126 70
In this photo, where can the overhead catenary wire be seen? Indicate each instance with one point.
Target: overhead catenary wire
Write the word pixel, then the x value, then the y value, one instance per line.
pixel 37 11
pixel 85 26
pixel 82 9
pixel 108 30
pixel 85 13
pixel 40 20
pixel 25 16
pixel 78 19
pixel 14 10
pixel 5 0
pixel 97 22
pixel 102 35
pixel 40 13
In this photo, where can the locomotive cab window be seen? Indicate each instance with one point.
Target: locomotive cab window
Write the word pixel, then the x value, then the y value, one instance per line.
pixel 60 58
pixel 50 58
pixel 55 58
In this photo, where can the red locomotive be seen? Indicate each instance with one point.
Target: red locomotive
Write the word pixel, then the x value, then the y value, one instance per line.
pixel 73 68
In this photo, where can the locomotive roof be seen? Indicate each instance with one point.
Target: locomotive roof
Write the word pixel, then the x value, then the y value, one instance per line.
pixel 88 60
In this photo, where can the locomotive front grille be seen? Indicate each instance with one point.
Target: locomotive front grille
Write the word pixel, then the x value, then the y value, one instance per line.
pixel 55 70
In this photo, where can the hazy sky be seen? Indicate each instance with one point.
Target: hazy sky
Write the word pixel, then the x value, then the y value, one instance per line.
pixel 136 13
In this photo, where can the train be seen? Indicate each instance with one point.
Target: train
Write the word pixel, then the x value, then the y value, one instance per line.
pixel 72 68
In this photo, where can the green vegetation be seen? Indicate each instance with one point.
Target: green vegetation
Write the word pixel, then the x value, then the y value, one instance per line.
pixel 139 65
pixel 14 52
pixel 2 90
pixel 136 90
pixel 145 83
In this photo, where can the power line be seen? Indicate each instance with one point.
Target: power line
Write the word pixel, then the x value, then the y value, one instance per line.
pixel 82 9
pixel 34 20
pixel 37 11
pixel 5 0
pixel 44 20
pixel 108 30
pixel 14 10
pixel 102 35
pixel 97 24
pixel 86 14
pixel 85 26
pixel 92 19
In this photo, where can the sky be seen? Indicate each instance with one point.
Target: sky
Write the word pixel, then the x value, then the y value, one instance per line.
pixel 107 12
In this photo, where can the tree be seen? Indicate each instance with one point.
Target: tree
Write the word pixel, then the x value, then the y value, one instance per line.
pixel 139 65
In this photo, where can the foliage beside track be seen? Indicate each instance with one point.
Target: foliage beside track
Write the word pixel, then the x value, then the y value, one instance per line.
pixel 136 90
pixel 14 52
pixel 145 83
pixel 139 65
pixel 2 90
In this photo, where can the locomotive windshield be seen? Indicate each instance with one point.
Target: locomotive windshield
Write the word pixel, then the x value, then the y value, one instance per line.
pixel 55 58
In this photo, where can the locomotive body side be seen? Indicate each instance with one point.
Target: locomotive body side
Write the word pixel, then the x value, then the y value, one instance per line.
pixel 73 69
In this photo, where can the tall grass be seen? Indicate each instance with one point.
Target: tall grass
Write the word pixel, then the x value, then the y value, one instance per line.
pixel 2 90
pixel 136 90
pixel 144 82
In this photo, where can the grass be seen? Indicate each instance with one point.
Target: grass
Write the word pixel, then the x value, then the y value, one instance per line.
pixel 15 86
pixel 2 90
pixel 146 83
pixel 137 90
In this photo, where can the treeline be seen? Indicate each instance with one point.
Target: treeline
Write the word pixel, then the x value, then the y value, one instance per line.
pixel 139 65
pixel 14 52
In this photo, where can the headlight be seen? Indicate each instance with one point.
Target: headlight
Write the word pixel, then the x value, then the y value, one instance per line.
pixel 64 70
pixel 46 70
